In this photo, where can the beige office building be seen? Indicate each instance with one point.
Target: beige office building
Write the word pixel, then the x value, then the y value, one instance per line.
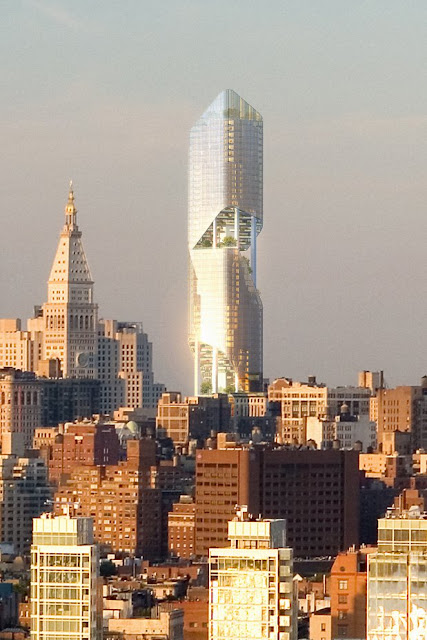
pixel 192 417
pixel 403 409
pixel 300 400
pixel 20 410
pixel 126 367
pixel 248 405
pixel 19 349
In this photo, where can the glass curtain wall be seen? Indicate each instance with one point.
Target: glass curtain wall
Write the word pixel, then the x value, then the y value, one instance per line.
pixel 397 581
pixel 225 217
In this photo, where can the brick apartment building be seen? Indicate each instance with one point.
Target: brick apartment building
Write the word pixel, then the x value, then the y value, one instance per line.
pixel 83 444
pixel 317 492
pixel 125 509
pixel 224 478
pixel 181 528
pixel 348 594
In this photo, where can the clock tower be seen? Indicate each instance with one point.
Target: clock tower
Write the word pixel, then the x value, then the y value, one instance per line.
pixel 70 315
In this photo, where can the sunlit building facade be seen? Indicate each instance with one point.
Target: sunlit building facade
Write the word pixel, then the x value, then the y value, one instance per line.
pixel 397 579
pixel 69 317
pixel 251 594
pixel 64 579
pixel 225 217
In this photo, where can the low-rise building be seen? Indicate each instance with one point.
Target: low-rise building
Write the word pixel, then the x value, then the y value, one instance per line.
pixel 381 465
pixel 321 625
pixel 168 625
pixel 116 606
pixel 347 430
pixel 196 613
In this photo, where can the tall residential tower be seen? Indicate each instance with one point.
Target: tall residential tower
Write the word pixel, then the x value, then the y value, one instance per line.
pixel 225 217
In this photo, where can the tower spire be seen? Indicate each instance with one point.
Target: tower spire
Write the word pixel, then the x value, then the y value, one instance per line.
pixel 70 209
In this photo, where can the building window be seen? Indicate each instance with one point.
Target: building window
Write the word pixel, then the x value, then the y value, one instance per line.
pixel 342 599
pixel 342 585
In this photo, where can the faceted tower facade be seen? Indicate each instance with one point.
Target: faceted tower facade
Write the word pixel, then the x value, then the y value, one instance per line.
pixel 225 217
pixel 70 315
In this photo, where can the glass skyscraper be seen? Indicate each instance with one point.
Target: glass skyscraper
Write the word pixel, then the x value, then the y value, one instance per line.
pixel 225 217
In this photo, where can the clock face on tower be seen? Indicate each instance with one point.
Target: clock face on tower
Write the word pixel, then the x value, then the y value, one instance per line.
pixel 82 359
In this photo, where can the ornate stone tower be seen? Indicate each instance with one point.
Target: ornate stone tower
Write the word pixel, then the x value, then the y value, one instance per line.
pixel 70 316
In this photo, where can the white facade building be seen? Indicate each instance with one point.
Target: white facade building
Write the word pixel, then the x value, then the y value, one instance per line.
pixel 251 593
pixel 397 578
pixel 169 625
pixel 64 579
pixel 301 400
pixel 348 430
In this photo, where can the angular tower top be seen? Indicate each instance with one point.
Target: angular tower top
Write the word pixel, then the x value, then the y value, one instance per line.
pixel 228 104
pixel 70 265
pixel 226 166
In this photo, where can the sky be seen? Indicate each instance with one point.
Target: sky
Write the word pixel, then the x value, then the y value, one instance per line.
pixel 105 93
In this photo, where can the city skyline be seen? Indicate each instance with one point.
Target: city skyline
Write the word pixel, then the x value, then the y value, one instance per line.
pixel 343 268
pixel 244 221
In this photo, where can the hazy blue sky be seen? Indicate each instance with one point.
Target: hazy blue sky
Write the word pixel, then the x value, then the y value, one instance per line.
pixel 105 93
